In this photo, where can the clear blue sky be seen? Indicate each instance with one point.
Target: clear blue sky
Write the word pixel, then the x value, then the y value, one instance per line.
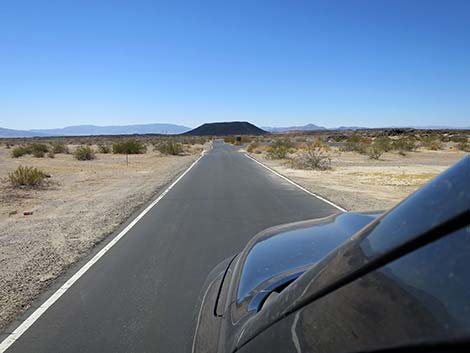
pixel 277 63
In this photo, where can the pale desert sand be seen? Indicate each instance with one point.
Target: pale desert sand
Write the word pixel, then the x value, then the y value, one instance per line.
pixel 358 183
pixel 85 202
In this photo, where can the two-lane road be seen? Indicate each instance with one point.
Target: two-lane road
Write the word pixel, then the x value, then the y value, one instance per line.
pixel 141 296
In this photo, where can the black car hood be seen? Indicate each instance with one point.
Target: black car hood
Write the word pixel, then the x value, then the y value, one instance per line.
pixel 441 206
pixel 280 254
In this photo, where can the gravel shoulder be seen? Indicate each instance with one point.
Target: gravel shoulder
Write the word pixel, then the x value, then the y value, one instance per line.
pixel 84 202
pixel 358 183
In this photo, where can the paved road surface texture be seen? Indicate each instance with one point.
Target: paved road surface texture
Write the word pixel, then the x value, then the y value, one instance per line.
pixel 141 296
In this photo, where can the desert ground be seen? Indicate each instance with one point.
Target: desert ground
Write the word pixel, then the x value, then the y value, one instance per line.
pixel 82 202
pixel 352 175
pixel 357 183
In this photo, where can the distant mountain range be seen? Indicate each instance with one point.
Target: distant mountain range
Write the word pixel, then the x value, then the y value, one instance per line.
pixel 308 127
pixel 17 133
pixel 313 127
pixel 84 130
pixel 229 128
pixel 226 128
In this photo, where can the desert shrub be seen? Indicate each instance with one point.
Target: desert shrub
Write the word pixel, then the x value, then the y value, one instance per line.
pixel 38 149
pixel 195 140
pixel 251 147
pixel 19 151
pixel 383 142
pixel 280 148
pixel 375 151
pixel 246 139
pixel 51 154
pixel 169 147
pixel 459 138
pixel 404 144
pixel 38 153
pixel 355 143
pixel 464 146
pixel 84 153
pixel 339 138
pixel 431 142
pixel 27 177
pixel 230 139
pixel 129 147
pixel 315 155
pixel 300 139
pixel 60 148
pixel 436 145
pixel 104 149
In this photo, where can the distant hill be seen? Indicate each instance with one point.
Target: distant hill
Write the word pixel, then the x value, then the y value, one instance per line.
pixel 82 130
pixel 228 128
pixel 18 133
pixel 308 127
pixel 349 128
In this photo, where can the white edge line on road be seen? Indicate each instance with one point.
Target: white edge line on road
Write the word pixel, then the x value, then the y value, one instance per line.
pixel 295 184
pixel 26 324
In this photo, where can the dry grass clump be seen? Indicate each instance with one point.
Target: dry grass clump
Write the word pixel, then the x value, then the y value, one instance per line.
pixel 27 177
pixel 84 153
pixel 129 147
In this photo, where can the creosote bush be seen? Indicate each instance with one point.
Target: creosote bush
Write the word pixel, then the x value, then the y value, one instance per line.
pixel 59 148
pixel 384 143
pixel 251 147
pixel 84 153
pixel 431 142
pixel 35 149
pixel 104 149
pixel 280 148
pixel 19 151
pixel 464 146
pixel 315 155
pixel 404 144
pixel 459 138
pixel 230 139
pixel 129 147
pixel 27 177
pixel 355 143
pixel 375 151
pixel 169 147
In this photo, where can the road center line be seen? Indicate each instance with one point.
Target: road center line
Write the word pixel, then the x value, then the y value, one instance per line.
pixel 26 324
pixel 295 184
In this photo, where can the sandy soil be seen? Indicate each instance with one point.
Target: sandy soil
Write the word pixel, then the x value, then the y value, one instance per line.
pixel 85 201
pixel 358 183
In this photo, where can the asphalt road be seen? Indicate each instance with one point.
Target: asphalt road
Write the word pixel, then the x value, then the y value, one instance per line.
pixel 141 296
